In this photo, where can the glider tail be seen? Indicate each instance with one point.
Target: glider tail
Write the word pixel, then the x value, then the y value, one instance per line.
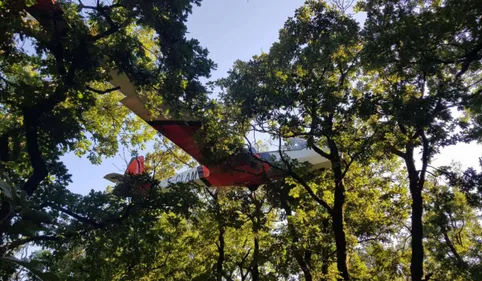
pixel 136 166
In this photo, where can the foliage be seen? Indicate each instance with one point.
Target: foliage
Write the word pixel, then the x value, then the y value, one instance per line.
pixel 55 100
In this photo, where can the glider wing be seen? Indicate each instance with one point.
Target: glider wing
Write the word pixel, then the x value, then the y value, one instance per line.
pixel 182 132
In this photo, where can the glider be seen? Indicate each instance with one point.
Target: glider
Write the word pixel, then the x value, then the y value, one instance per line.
pixel 248 168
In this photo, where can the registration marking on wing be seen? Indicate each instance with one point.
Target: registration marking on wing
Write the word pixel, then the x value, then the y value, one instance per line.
pixel 187 176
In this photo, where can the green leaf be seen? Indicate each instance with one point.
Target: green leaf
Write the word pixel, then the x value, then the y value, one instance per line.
pixel 29 3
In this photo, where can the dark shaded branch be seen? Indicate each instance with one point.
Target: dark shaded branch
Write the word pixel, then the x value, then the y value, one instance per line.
pixel 376 238
pixel 31 116
pixel 311 193
pixel 321 152
pixel 116 220
pixel 17 243
pixel 425 159
pixel 102 10
pixel 469 58
pixel 102 92
pixel 122 217
pixel 40 171
pixel 164 263
pixel 460 262
pixel 303 183
pixel 353 157
pixel 4 148
pixel 77 216
pixel 403 129
pixel 113 29
pixel 398 152
pixel 428 276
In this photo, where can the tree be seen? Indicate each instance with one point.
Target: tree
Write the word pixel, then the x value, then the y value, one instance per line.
pixel 420 54
pixel 303 87
pixel 54 93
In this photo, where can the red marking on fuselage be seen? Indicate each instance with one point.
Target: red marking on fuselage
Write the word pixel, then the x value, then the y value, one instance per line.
pixel 242 170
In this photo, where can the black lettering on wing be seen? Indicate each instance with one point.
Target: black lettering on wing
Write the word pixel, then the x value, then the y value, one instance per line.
pixel 179 178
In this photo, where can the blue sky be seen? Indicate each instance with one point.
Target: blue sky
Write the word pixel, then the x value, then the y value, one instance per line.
pixel 231 30
pixel 238 29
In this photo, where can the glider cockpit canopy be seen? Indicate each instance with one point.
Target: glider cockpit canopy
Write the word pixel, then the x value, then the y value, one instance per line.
pixel 296 144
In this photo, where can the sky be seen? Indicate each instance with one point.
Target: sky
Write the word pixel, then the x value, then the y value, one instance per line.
pixel 231 30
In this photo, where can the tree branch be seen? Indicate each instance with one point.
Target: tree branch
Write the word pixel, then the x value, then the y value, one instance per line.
pixel 398 152
pixel 425 158
pixel 40 171
pixel 304 184
pixel 76 216
pixel 461 263
pixel 102 92
pixel 110 31
pixel 321 152
pixel 17 243
pixel 469 58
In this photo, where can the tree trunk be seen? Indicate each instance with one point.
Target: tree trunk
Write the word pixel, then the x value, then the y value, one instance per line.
pixel 325 266
pixel 304 265
pixel 4 149
pixel 255 263
pixel 416 263
pixel 219 264
pixel 416 267
pixel 5 216
pixel 337 213
pixel 338 229
pixel 256 220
